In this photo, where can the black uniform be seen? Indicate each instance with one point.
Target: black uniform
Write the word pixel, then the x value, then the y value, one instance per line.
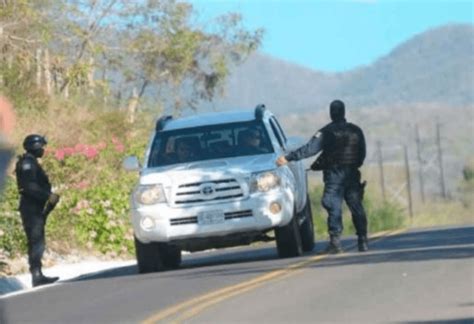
pixel 343 152
pixel 34 188
pixel 35 203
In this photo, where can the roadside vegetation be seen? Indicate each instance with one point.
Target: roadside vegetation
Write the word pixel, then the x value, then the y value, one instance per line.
pixel 96 95
pixel 93 77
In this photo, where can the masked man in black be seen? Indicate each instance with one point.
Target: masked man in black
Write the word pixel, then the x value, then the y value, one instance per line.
pixel 36 202
pixel 343 153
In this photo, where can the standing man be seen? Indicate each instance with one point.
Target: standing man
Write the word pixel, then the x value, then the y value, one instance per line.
pixel 36 202
pixel 343 152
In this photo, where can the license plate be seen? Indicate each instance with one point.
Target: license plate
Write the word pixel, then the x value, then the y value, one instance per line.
pixel 211 217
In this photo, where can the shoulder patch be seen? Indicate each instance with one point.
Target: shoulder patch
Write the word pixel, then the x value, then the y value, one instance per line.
pixel 26 165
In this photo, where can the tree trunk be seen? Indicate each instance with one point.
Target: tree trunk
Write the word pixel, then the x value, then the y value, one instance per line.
pixel 132 106
pixel 38 67
pixel 90 76
pixel 47 72
pixel 65 87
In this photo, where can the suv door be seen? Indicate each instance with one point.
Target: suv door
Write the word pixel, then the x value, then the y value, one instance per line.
pixel 296 167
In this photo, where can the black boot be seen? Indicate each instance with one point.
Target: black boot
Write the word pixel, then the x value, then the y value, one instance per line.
pixel 38 278
pixel 334 246
pixel 362 243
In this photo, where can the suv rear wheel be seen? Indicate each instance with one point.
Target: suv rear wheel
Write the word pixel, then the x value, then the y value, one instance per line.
pixel 148 256
pixel 288 239
pixel 307 227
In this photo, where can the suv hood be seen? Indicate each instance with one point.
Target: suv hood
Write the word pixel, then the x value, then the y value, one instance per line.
pixel 208 170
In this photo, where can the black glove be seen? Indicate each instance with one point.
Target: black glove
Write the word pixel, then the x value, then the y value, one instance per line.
pixel 53 199
pixel 362 189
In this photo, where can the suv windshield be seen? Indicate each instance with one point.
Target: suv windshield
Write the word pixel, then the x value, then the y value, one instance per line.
pixel 209 142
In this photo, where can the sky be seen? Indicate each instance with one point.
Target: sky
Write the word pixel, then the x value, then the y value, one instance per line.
pixel 336 36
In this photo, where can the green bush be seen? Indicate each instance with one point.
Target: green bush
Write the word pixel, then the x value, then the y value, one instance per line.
pixel 94 207
pixel 12 238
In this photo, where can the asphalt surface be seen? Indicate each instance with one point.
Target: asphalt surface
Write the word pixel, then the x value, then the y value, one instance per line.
pixel 423 276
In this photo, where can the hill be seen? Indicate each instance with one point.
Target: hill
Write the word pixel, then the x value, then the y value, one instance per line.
pixel 434 67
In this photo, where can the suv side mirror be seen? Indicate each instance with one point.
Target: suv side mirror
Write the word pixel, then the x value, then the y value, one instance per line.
pixel 131 163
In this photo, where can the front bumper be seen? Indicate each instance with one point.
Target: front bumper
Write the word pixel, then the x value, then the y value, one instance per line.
pixel 162 223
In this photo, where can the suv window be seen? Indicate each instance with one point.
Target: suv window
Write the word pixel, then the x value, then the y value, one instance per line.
pixel 209 142
pixel 276 130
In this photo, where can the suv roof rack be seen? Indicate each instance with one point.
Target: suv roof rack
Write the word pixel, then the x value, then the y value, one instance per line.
pixel 161 122
pixel 259 111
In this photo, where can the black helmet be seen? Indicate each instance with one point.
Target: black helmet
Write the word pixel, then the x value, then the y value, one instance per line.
pixel 34 142
pixel 337 110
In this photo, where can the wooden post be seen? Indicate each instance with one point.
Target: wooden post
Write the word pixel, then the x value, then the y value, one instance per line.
pixel 407 171
pixel 420 164
pixel 380 162
pixel 440 160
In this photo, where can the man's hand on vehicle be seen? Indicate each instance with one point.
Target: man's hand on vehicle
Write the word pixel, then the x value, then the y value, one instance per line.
pixel 281 161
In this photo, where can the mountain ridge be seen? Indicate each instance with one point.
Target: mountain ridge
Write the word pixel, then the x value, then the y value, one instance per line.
pixel 432 67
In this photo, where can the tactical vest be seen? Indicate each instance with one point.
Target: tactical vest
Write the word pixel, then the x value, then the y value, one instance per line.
pixel 343 145
pixel 40 179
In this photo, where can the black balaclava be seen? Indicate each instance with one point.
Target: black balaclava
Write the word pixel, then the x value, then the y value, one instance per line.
pixel 337 111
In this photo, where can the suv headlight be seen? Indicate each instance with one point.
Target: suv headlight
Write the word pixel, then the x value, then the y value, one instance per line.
pixel 264 181
pixel 149 194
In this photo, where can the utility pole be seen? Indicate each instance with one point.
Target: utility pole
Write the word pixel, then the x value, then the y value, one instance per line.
pixel 420 164
pixel 407 171
pixel 440 160
pixel 380 162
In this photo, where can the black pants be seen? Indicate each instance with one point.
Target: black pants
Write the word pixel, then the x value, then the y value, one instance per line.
pixel 33 224
pixel 343 183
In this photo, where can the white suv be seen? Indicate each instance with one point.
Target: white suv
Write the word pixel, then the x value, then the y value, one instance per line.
pixel 210 181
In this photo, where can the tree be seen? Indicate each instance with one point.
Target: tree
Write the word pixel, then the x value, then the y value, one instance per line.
pixel 146 47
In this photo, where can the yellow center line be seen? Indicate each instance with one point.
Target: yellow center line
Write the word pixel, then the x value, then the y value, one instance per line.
pixel 194 306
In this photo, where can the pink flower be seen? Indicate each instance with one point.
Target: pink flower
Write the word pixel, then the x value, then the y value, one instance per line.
pixel 90 152
pixel 101 146
pixel 79 148
pixel 81 204
pixel 59 154
pixel 115 140
pixel 119 147
pixel 82 185
pixel 68 151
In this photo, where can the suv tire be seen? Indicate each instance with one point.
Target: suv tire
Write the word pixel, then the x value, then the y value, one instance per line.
pixel 288 239
pixel 307 227
pixel 148 256
pixel 170 255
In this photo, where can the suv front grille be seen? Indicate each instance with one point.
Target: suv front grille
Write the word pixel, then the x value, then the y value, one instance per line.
pixel 194 219
pixel 207 191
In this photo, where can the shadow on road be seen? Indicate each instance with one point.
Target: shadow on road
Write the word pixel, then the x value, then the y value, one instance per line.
pixel 449 243
pixel 468 320
pixel 442 244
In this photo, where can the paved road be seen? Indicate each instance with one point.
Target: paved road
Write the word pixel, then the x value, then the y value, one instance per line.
pixel 423 276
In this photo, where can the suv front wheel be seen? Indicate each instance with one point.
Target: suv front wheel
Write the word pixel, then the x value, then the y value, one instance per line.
pixel 148 256
pixel 288 239
pixel 170 255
